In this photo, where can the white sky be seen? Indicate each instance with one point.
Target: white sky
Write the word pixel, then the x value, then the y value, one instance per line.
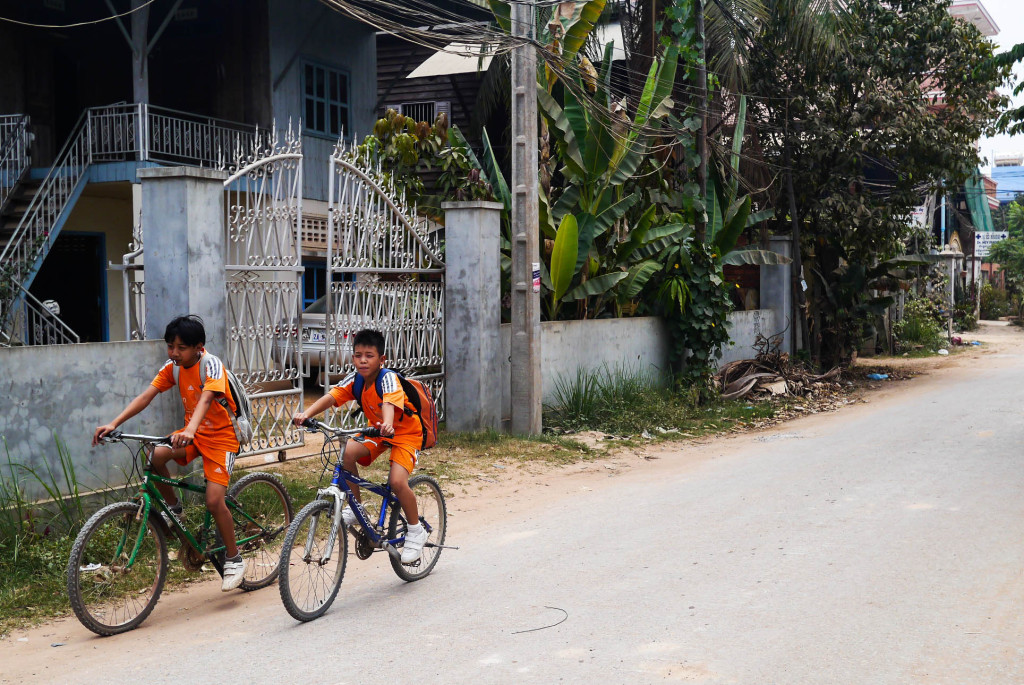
pixel 1009 17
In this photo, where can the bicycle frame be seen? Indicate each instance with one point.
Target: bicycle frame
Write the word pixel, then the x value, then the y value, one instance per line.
pixel 148 494
pixel 340 491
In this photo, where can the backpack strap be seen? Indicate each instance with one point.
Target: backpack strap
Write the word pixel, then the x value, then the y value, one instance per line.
pixel 222 400
pixel 357 390
pixel 358 384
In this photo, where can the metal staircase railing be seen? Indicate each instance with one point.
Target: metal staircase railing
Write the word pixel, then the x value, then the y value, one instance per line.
pixel 129 132
pixel 15 141
pixel 34 323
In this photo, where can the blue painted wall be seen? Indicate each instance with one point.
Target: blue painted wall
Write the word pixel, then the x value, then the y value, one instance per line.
pixel 309 30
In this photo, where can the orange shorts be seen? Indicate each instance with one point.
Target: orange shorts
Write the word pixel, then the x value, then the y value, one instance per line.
pixel 217 463
pixel 404 455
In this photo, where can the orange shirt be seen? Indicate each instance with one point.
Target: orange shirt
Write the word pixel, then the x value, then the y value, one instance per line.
pixel 215 428
pixel 407 424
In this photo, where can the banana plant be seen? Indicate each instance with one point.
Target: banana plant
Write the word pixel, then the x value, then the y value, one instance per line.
pixel 728 214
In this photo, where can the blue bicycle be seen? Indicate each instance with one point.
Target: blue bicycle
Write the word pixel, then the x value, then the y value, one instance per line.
pixel 316 546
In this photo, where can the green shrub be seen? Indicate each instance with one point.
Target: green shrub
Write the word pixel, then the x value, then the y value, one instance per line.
pixel 921 326
pixel 994 303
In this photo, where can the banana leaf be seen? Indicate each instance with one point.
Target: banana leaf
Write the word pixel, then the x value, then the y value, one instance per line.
pixel 638 276
pixel 577 27
pixel 502 14
pixel 591 226
pixel 565 203
pixel 595 286
pixel 760 257
pixel 562 129
pixel 494 175
pixel 547 222
pixel 733 225
pixel 563 256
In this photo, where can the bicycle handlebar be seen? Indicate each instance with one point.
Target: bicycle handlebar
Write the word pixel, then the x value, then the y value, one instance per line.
pixel 313 424
pixel 118 436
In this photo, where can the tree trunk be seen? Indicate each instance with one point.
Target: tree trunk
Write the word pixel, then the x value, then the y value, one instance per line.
pixel 799 299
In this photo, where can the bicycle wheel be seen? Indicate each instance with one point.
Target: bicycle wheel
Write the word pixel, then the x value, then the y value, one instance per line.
pixel 108 594
pixel 309 583
pixel 263 497
pixel 430 502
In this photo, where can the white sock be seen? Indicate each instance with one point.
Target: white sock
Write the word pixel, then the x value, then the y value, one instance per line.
pixel 414 529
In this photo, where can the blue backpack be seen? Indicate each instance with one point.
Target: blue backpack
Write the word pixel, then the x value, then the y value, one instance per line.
pixel 419 396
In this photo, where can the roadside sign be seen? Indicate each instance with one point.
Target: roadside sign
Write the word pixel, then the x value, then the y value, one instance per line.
pixel 984 240
pixel 919 216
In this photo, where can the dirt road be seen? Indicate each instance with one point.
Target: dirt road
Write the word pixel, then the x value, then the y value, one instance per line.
pixel 878 544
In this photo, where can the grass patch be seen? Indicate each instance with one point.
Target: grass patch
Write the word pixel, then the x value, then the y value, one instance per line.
pixel 626 402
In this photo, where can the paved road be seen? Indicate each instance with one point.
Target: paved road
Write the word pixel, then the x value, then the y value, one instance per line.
pixel 881 544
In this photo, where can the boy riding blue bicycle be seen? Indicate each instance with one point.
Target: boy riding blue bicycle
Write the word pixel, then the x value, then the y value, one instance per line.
pixel 389 410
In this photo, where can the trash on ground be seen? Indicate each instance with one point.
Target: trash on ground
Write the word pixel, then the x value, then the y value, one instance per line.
pixel 878 376
pixel 772 374
pixel 944 353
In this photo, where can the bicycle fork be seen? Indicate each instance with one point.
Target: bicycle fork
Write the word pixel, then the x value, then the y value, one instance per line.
pixel 339 503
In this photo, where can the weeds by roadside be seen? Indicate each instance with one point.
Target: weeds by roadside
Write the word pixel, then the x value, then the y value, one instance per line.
pixel 626 402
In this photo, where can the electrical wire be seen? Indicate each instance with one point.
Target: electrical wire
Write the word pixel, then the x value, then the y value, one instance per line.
pixel 81 23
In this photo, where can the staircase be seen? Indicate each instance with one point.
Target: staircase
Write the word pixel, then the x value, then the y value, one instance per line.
pixel 33 213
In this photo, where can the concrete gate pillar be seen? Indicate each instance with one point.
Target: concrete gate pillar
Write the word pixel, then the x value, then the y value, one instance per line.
pixel 777 292
pixel 183 235
pixel 472 347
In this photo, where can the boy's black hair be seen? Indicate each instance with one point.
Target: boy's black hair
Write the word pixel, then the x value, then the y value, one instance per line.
pixel 369 337
pixel 189 328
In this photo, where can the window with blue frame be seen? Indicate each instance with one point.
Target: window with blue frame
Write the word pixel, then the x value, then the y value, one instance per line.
pixel 313 280
pixel 325 100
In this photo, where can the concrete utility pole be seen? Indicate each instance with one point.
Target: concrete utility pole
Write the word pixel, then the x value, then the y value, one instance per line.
pixel 702 135
pixel 525 381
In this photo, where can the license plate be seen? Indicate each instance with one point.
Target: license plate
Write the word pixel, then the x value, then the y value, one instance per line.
pixel 316 336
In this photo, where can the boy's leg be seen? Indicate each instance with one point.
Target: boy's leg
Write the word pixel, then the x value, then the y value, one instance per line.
pixel 354 453
pixel 403 461
pixel 215 493
pixel 161 456
pixel 399 481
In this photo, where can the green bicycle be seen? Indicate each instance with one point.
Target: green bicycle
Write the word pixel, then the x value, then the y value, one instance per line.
pixel 119 561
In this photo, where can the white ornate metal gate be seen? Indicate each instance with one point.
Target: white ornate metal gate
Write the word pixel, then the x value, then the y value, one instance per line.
pixel 384 271
pixel 263 200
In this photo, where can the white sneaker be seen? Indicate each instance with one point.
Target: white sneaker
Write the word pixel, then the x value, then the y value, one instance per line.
pixel 415 537
pixel 348 517
pixel 176 512
pixel 234 574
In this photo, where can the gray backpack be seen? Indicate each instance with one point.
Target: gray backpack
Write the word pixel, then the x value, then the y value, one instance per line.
pixel 241 418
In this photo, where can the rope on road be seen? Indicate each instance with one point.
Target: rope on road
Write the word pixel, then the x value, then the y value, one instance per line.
pixel 531 630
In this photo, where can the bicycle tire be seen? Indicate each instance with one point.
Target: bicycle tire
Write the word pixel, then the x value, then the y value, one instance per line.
pixel 308 587
pixel 263 497
pixel 432 509
pixel 107 597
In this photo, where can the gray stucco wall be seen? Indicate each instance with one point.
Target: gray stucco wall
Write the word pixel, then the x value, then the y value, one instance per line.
pixel 638 343
pixel 68 390
pixel 311 31
pixel 743 330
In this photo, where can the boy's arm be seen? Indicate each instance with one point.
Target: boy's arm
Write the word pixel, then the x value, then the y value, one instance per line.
pixel 133 408
pixel 184 437
pixel 387 423
pixel 325 402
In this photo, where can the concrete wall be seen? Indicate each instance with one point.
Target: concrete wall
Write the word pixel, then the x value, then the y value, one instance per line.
pixel 640 343
pixel 637 343
pixel 743 330
pixel 309 30
pixel 68 390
